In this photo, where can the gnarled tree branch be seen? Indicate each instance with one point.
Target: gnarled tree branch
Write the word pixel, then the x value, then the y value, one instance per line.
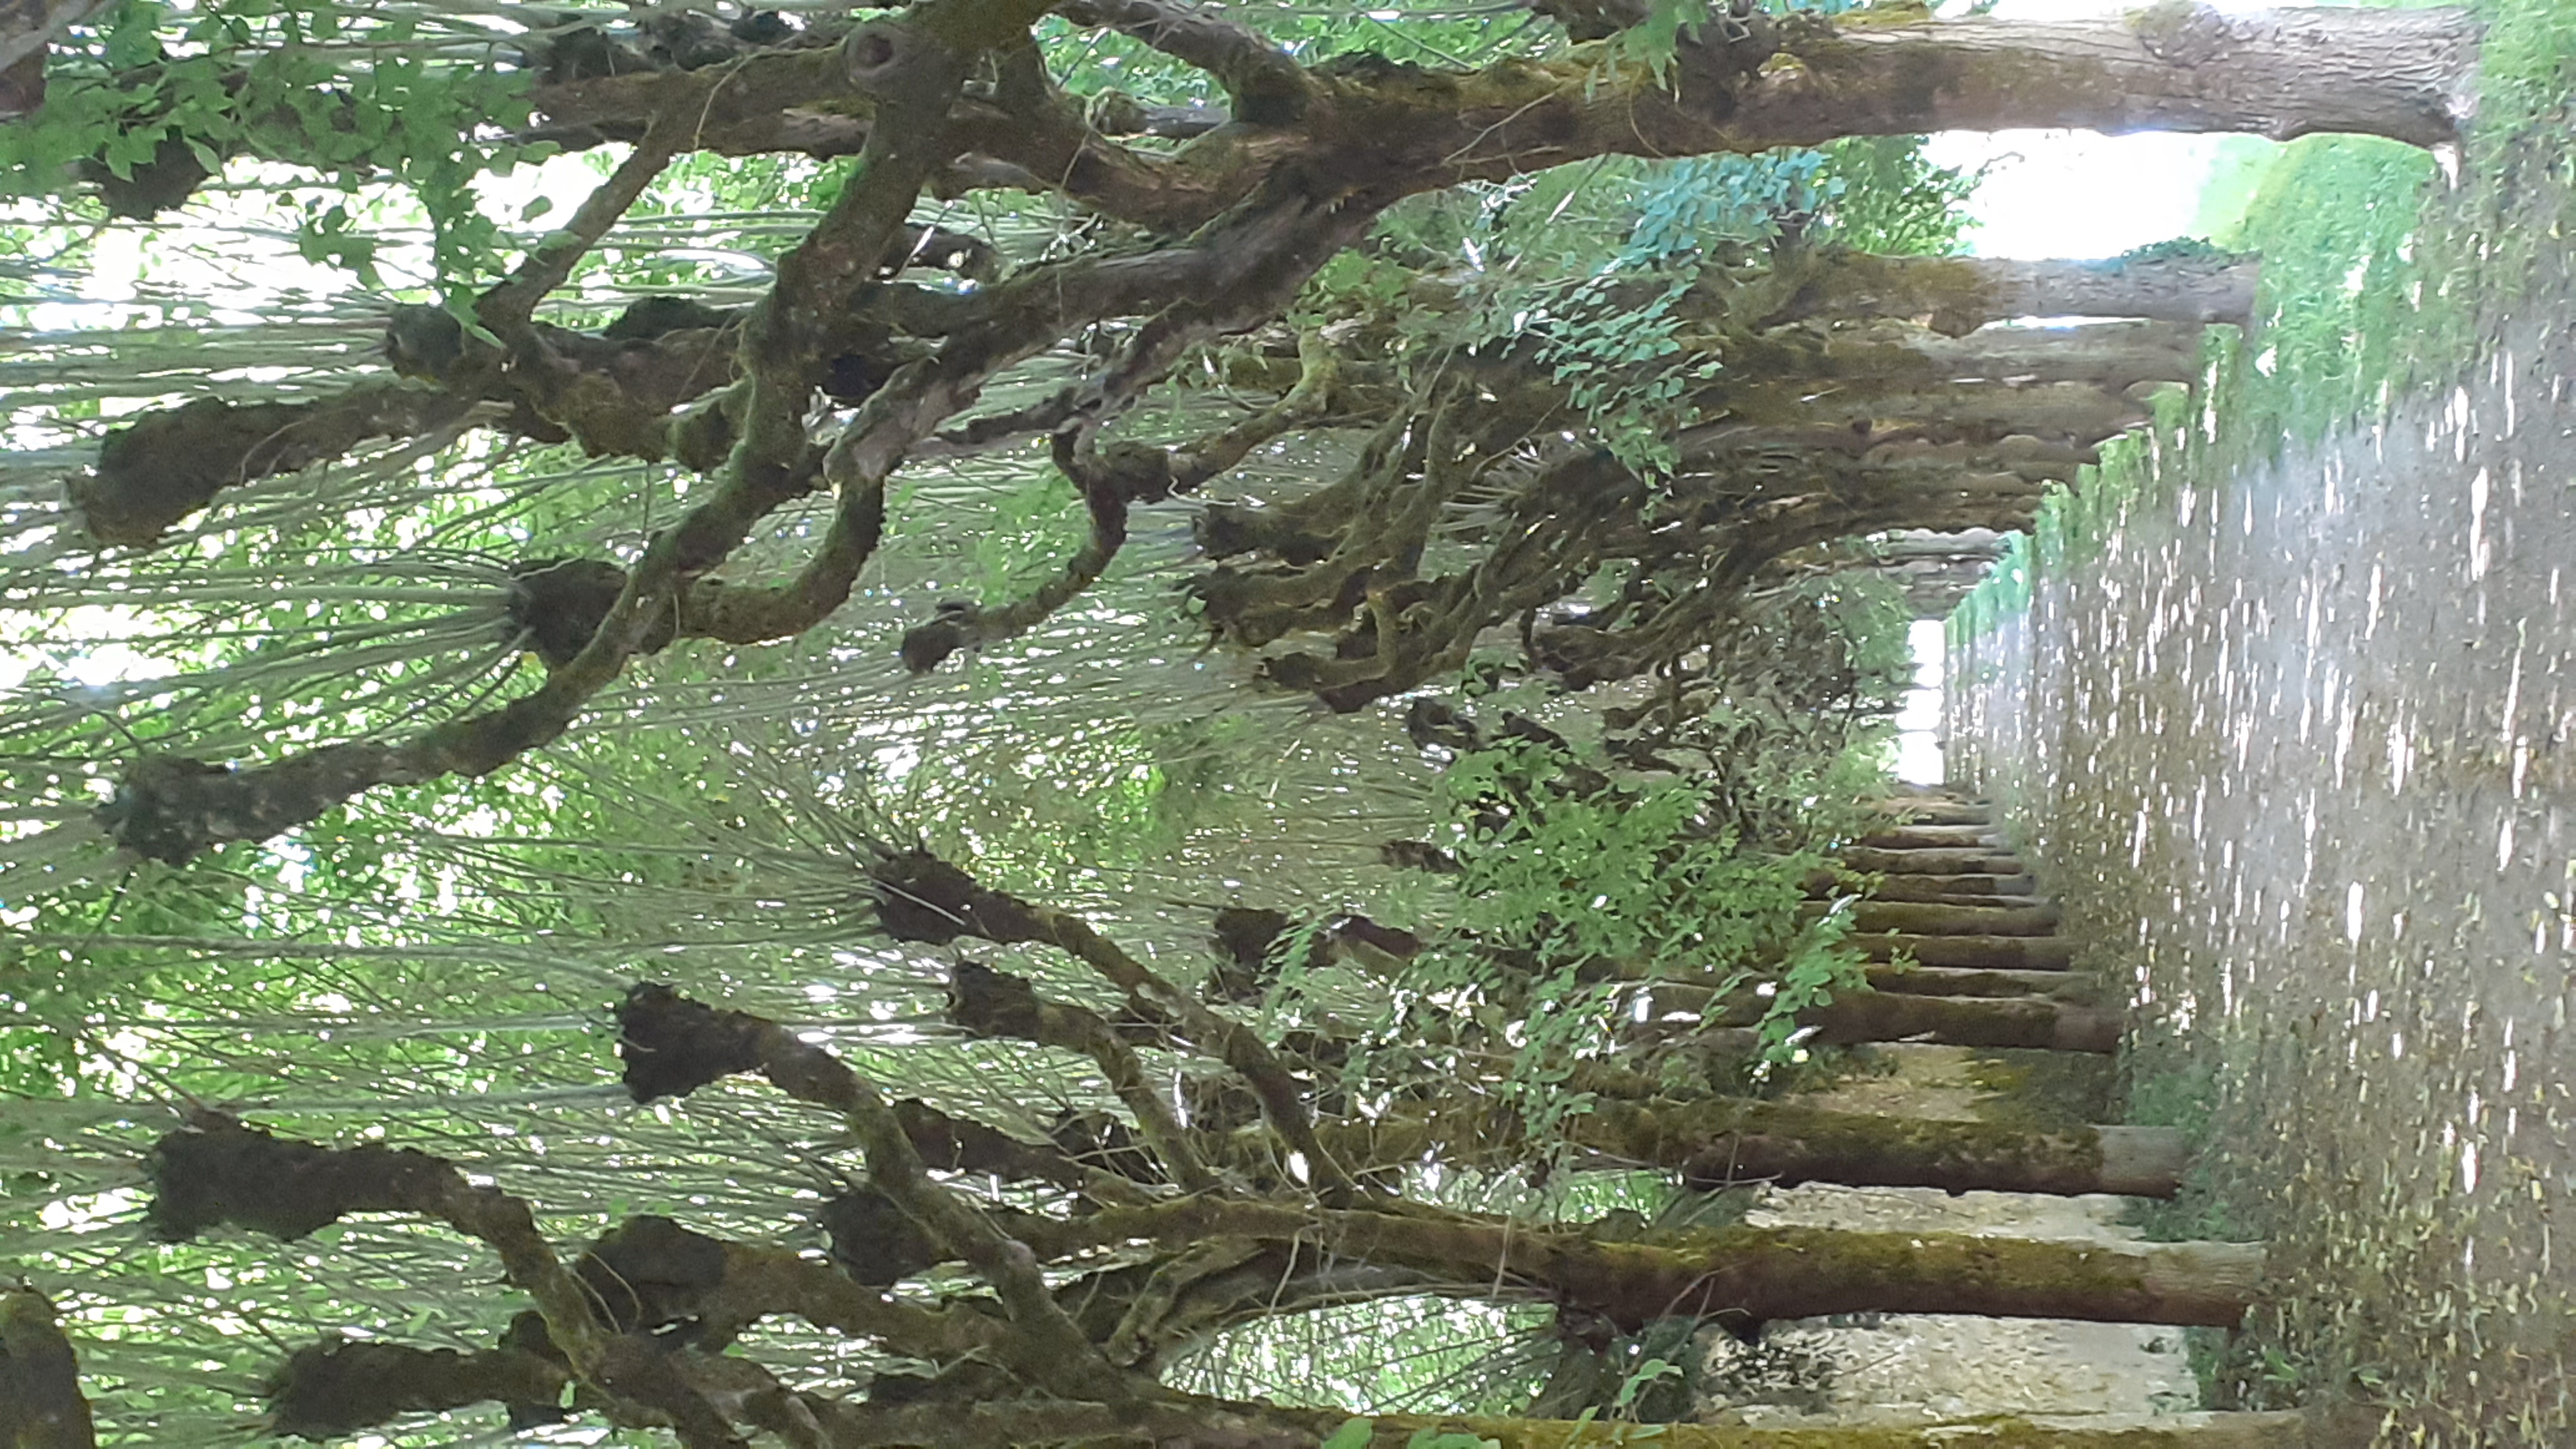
pixel 673 1046
pixel 923 898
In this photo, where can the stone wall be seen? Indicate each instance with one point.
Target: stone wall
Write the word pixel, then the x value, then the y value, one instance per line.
pixel 2296 750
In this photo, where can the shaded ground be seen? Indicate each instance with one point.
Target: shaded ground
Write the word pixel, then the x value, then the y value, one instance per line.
pixel 2293 738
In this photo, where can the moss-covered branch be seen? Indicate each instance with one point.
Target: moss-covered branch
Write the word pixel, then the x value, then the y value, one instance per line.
pixel 1211 1424
pixel 506 306
pixel 1777 439
pixel 1264 84
pixel 1712 535
pixel 1742 1274
pixel 1804 434
pixel 1111 480
pixel 1961 294
pixel 332 1389
pixel 173 808
pixel 923 898
pixel 219 1172
pixel 157 470
pixel 993 1003
pixel 2010 1431
pixel 1397 129
pixel 1393 129
pixel 1714 1142
pixel 672 1046
pixel 41 1406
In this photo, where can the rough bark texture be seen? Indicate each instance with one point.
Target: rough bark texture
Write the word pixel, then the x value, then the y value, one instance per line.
pixel 1959 1021
pixel 1823 433
pixel 40 1399
pixel 1092 1297
pixel 1938 812
pixel 154 472
pixel 1953 1018
pixel 652 1276
pixel 1932 837
pixel 1010 1426
pixel 219 1172
pixel 1847 398
pixel 1715 1142
pixel 2178 1431
pixel 2175 67
pixel 1722 1142
pixel 334 1389
pixel 1960 294
pixel 1740 1274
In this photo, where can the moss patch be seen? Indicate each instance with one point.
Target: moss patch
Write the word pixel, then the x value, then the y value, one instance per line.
pixel 2042 1091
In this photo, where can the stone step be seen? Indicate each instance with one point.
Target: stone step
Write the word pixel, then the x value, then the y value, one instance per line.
pixel 1946 860
pixel 2015 1021
pixel 1969 981
pixel 1926 886
pixel 1938 812
pixel 1987 953
pixel 1941 918
pixel 1932 837
pixel 1853 1017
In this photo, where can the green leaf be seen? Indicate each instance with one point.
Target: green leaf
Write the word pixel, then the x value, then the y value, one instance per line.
pixel 1354 1434
pixel 1647 1374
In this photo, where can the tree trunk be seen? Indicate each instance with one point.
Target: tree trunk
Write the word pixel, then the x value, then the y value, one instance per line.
pixel 352 1385
pixel 1958 295
pixel 2036 459
pixel 2172 66
pixel 1202 1424
pixel 1391 131
pixel 1864 1016
pixel 2062 411
pixel 1734 1274
pixel 2163 1431
pixel 1717 1141
pixel 2108 355
pixel 1961 294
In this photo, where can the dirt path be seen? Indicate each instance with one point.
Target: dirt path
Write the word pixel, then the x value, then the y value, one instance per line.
pixel 2298 756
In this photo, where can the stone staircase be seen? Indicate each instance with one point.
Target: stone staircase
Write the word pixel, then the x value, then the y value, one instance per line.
pixel 1956 918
